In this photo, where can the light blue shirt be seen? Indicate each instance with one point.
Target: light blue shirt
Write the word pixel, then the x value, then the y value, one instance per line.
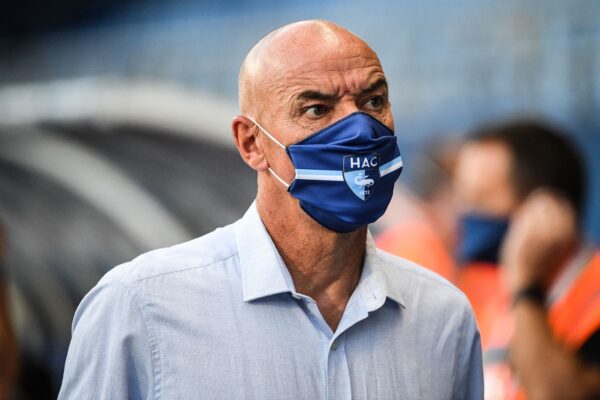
pixel 218 318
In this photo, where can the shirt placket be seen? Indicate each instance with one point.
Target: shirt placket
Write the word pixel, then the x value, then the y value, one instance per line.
pixel 338 371
pixel 336 363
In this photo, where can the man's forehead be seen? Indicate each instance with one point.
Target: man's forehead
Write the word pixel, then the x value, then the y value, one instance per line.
pixel 343 60
pixel 314 55
pixel 330 87
pixel 354 72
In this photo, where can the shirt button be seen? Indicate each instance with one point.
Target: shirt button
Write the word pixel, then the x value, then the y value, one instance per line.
pixel 334 346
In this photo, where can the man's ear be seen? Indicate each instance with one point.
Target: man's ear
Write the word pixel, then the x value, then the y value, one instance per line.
pixel 244 135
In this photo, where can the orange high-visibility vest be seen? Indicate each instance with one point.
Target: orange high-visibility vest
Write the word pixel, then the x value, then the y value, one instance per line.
pixel 576 315
pixel 573 318
pixel 418 242
pixel 482 284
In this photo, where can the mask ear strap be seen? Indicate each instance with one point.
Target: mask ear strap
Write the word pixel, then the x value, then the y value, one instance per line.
pixel 267 133
pixel 279 178
pixel 284 183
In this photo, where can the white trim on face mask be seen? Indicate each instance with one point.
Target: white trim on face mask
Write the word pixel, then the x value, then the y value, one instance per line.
pixel 391 166
pixel 324 175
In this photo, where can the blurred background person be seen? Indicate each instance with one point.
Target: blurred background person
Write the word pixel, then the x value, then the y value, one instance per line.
pixel 521 189
pixel 8 345
pixel 422 222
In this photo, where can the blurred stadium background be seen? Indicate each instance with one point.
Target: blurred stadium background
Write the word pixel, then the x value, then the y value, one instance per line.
pixel 114 120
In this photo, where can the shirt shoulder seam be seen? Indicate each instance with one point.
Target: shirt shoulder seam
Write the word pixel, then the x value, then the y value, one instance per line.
pixel 178 270
pixel 441 282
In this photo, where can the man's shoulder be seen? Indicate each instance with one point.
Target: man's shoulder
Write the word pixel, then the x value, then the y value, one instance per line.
pixel 202 252
pixel 420 280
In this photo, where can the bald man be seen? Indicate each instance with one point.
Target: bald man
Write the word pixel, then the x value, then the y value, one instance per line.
pixel 293 301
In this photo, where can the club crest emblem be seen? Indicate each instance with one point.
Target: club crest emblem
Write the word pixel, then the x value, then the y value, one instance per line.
pixel 361 173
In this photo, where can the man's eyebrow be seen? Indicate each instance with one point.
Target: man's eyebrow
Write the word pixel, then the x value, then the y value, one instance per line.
pixel 315 95
pixel 378 84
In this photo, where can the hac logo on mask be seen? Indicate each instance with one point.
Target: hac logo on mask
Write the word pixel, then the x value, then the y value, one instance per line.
pixel 361 173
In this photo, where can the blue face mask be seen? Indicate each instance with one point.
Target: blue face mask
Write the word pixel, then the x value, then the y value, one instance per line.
pixel 345 173
pixel 481 238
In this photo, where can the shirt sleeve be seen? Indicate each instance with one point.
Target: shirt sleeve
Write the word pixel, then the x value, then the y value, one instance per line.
pixel 111 354
pixel 469 383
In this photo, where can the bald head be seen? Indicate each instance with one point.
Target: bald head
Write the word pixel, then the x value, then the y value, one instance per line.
pixel 288 50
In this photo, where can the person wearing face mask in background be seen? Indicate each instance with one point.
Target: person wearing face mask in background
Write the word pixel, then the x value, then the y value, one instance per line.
pixel 292 301
pixel 530 273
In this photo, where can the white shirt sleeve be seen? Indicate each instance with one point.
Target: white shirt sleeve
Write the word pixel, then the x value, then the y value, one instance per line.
pixel 469 383
pixel 111 355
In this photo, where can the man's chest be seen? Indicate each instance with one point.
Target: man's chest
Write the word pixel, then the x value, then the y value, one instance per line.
pixel 277 350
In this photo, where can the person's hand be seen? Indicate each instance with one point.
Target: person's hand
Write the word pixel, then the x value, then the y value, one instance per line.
pixel 542 234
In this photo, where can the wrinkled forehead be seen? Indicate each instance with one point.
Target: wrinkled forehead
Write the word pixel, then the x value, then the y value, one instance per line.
pixel 345 69
pixel 331 63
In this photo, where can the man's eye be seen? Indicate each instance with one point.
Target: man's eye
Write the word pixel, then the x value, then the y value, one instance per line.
pixel 375 103
pixel 316 111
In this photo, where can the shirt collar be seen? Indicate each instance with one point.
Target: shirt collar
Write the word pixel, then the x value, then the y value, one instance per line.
pixel 264 273
pixel 377 282
pixel 262 269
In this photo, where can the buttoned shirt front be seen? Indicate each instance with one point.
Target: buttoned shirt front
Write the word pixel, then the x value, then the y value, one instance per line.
pixel 219 318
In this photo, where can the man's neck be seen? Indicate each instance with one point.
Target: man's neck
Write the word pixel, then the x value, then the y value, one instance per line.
pixel 323 264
